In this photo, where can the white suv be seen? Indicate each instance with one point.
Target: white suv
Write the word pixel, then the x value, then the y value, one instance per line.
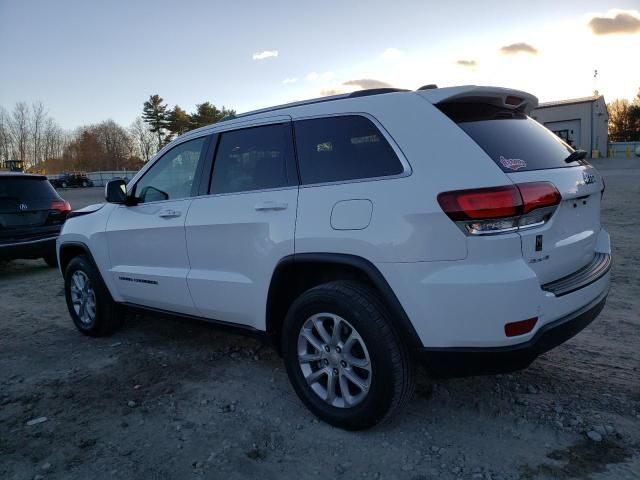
pixel 360 232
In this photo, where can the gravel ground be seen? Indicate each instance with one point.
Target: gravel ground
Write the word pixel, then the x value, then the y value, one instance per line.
pixel 176 399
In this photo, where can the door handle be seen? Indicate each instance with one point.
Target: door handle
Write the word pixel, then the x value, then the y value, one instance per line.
pixel 168 213
pixel 269 205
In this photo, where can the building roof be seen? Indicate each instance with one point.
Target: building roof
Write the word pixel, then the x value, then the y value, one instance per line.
pixel 569 101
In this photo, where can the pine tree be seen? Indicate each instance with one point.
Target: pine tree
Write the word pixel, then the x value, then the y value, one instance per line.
pixel 207 113
pixel 155 114
pixel 179 121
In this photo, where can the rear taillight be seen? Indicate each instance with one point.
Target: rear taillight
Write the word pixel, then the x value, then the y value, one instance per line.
pixel 486 211
pixel 61 205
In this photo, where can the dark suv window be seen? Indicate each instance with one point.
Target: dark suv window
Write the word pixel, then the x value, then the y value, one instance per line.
pixel 514 141
pixel 343 148
pixel 254 159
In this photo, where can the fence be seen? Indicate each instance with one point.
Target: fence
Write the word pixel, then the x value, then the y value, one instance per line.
pixel 99 179
pixel 623 149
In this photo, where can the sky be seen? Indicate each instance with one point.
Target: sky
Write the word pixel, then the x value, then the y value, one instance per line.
pixel 88 61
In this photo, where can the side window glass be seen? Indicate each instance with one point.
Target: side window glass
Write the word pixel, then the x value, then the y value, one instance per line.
pixel 253 159
pixel 341 148
pixel 172 177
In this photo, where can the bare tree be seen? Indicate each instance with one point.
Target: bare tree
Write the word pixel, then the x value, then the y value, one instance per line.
pixel 19 126
pixel 115 142
pixel 37 121
pixel 54 140
pixel 6 142
pixel 144 140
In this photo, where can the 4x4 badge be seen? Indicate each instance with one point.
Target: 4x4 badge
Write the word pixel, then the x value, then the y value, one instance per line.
pixel 588 178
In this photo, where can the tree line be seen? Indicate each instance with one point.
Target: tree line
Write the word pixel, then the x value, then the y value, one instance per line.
pixel 624 120
pixel 167 123
pixel 29 134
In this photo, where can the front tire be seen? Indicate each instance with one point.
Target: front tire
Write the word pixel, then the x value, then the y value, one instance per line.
pixel 90 305
pixel 344 359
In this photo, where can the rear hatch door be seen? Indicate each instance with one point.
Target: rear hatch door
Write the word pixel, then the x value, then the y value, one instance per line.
pixel 567 242
pixel 25 206
pixel 528 152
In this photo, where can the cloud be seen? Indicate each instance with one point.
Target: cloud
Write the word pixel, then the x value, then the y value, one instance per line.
pixel 391 53
pixel 624 23
pixel 290 80
pixel 331 91
pixel 320 77
pixel 265 54
pixel 365 83
pixel 467 63
pixel 516 48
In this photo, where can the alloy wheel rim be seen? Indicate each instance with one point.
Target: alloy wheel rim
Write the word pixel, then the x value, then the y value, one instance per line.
pixel 334 360
pixel 83 297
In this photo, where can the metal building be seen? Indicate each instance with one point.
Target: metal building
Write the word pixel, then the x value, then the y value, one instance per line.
pixel 581 122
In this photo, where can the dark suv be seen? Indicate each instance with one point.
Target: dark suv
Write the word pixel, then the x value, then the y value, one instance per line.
pixel 31 216
pixel 75 179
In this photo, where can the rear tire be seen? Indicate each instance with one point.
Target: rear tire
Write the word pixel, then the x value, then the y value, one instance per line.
pixel 366 357
pixel 90 305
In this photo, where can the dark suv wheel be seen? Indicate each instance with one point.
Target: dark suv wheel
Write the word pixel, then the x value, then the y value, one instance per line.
pixel 91 307
pixel 51 259
pixel 343 356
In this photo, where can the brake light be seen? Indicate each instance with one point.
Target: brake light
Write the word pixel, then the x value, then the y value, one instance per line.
pixel 61 205
pixel 513 100
pixel 538 195
pixel 504 209
pixel 496 202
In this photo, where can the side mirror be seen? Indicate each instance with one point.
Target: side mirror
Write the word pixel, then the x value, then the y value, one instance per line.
pixel 115 191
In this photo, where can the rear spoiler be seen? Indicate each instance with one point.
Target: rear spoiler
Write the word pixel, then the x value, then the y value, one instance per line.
pixel 502 97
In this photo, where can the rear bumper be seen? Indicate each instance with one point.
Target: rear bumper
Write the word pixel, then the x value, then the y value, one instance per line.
pixel 28 248
pixel 466 304
pixel 456 362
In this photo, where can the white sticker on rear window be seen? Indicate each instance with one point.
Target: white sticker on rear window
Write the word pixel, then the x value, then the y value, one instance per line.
pixel 513 163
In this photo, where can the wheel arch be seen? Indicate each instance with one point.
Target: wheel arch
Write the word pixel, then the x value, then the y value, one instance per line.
pixel 297 273
pixel 68 250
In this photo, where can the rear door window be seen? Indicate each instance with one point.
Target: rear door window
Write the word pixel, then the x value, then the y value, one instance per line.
pixel 343 148
pixel 514 141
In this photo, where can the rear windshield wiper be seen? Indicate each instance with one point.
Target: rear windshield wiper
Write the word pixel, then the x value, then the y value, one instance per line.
pixel 575 156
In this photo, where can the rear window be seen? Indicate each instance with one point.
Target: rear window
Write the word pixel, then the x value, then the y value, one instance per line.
pixel 514 141
pixel 24 188
pixel 343 148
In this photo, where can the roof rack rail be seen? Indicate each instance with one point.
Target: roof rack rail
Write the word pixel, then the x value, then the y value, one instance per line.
pixel 375 91
pixel 428 87
pixel 358 93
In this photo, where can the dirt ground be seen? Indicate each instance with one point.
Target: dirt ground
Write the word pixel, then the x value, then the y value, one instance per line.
pixel 175 399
